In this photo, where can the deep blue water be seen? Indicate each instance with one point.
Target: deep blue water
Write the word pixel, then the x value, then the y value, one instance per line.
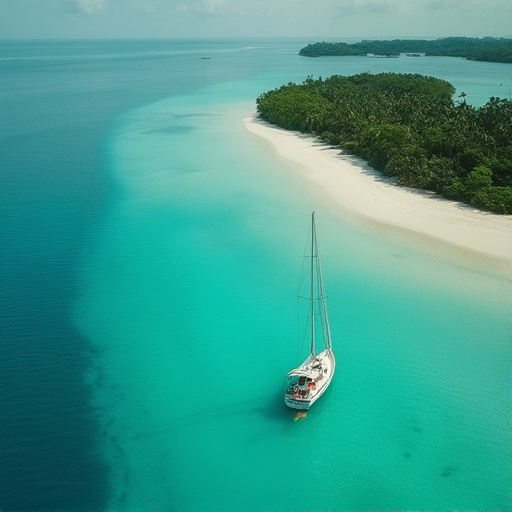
pixel 84 135
pixel 58 99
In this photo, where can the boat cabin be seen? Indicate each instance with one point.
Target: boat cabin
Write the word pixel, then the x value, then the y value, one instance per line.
pixel 301 386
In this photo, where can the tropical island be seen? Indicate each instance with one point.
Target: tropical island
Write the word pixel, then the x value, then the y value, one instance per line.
pixel 490 49
pixel 408 127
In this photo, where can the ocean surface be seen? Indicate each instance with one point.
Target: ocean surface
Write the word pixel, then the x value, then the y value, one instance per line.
pixel 151 252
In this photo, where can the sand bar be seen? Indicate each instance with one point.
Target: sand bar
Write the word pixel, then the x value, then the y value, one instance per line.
pixel 356 187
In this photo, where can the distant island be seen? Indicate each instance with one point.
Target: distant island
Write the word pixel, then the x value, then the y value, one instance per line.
pixel 407 126
pixel 490 49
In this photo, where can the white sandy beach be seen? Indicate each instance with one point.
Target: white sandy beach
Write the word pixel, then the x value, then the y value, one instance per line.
pixel 354 186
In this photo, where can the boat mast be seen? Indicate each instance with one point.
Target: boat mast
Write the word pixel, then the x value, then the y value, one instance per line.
pixel 312 284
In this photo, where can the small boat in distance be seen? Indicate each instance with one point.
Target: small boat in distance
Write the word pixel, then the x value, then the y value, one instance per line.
pixel 309 380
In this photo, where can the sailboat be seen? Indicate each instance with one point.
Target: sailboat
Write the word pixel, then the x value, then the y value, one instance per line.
pixel 308 382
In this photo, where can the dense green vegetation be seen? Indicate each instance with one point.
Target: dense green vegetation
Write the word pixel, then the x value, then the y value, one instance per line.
pixel 487 48
pixel 407 126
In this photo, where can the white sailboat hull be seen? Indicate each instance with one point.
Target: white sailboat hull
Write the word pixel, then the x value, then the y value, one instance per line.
pixel 317 372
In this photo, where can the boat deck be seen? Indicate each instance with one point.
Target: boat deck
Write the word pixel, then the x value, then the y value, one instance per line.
pixel 317 372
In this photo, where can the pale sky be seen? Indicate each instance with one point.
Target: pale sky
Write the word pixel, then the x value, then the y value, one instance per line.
pixel 315 19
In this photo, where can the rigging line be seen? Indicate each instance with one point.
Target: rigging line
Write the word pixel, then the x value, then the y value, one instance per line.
pixel 305 260
pixel 300 348
pixel 305 273
pixel 300 288
pixel 314 253
pixel 323 304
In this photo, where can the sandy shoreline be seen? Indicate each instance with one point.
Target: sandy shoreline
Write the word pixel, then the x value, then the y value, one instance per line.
pixel 354 186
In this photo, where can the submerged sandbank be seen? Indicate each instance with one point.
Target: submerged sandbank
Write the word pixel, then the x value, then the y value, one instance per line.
pixel 356 187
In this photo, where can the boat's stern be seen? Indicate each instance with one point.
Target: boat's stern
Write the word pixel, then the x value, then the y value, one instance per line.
pixel 298 393
pixel 294 403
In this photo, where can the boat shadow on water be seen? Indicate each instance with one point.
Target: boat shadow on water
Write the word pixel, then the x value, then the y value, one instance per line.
pixel 270 408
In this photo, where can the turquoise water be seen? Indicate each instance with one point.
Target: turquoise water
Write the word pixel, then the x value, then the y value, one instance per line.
pixel 185 294
pixel 191 299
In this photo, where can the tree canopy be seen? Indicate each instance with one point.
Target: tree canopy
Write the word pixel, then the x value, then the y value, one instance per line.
pixel 491 49
pixel 407 126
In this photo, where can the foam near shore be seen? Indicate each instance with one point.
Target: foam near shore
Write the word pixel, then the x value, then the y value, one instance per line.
pixel 356 187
